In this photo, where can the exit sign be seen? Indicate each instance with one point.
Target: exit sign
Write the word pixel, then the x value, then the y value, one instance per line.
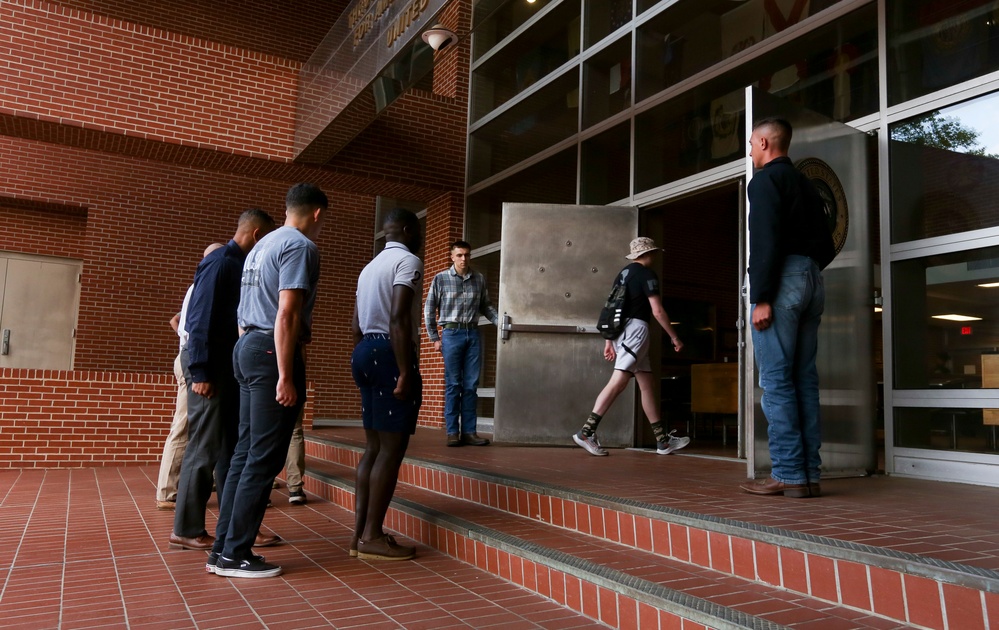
pixel 965 330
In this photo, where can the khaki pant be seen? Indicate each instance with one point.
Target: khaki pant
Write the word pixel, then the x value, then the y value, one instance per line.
pixel 176 442
pixel 294 464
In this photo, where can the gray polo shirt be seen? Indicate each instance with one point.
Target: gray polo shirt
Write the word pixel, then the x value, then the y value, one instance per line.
pixel 283 260
pixel 394 265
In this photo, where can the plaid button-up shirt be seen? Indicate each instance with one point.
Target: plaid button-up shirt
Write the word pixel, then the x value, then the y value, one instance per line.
pixel 458 299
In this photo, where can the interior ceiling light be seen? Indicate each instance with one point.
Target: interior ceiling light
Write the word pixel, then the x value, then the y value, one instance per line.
pixel 958 318
pixel 989 285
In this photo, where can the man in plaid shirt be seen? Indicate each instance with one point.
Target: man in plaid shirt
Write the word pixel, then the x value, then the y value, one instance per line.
pixel 457 296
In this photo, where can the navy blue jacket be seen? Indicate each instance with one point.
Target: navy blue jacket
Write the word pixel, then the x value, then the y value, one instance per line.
pixel 211 314
pixel 786 217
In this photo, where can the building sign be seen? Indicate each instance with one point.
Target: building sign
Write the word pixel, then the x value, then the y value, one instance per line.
pixel 366 15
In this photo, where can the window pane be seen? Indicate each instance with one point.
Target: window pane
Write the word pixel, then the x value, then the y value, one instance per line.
pixel 933 44
pixel 607 82
pixel 489 266
pixel 606 171
pixel 538 122
pixel 945 324
pixel 551 181
pixel 966 430
pixel 603 17
pixel 523 62
pixel 492 20
pixel 945 171
pixel 694 35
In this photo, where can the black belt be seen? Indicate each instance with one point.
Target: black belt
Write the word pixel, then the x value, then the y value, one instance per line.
pixel 376 336
pixel 467 326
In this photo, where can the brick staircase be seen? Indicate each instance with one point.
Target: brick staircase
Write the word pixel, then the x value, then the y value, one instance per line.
pixel 630 564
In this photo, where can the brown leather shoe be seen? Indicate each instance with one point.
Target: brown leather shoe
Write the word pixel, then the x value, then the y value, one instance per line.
pixel 203 542
pixel 263 540
pixel 772 487
pixel 473 439
pixel 384 548
pixel 353 546
pixel 453 439
pixel 166 505
pixel 814 489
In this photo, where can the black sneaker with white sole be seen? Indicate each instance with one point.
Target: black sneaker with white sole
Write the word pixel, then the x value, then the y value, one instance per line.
pixel 213 559
pixel 297 497
pixel 255 567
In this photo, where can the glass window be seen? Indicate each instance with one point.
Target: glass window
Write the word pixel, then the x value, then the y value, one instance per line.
pixel 691 36
pixel 946 319
pixel 533 55
pixel 966 430
pixel 606 167
pixel 945 171
pixel 703 127
pixel 607 82
pixel 529 127
pixel 933 44
pixel 603 17
pixel 493 20
pixel 551 181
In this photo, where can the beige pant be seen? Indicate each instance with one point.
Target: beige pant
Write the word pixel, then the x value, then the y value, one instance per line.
pixel 176 442
pixel 294 464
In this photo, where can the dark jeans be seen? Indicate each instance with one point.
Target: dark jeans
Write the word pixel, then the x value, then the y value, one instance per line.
pixel 212 426
pixel 265 428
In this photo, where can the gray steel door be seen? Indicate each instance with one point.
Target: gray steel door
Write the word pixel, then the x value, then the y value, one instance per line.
pixel 839 159
pixel 556 268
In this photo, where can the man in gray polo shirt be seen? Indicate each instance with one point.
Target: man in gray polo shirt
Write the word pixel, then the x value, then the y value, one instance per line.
pixel 385 365
pixel 275 314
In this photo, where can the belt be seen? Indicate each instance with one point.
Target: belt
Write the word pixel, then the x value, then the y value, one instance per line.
pixel 467 325
pixel 263 331
pixel 376 336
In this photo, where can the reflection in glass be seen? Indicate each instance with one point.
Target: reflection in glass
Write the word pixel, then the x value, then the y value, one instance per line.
pixel 934 44
pixel 607 82
pixel 533 55
pixel 945 171
pixel 692 36
pixel 552 180
pixel 489 266
pixel 966 430
pixel 606 169
pixel 931 352
pixel 702 127
pixel 532 125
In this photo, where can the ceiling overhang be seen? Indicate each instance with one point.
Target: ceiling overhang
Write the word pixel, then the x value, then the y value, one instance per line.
pixel 371 56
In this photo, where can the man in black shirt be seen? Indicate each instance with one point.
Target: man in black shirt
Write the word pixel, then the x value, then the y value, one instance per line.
pixel 630 351
pixel 789 244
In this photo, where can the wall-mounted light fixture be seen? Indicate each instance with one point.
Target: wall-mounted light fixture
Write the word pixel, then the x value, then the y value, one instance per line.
pixel 439 37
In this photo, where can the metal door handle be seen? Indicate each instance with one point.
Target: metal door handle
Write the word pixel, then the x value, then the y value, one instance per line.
pixel 6 342
pixel 507 327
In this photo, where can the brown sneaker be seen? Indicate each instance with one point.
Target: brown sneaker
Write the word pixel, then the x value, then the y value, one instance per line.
pixel 384 548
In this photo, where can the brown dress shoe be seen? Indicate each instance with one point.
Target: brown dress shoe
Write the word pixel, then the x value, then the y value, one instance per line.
pixel 353 546
pixel 814 489
pixel 771 487
pixel 473 439
pixel 166 505
pixel 384 548
pixel 453 439
pixel 203 542
pixel 263 540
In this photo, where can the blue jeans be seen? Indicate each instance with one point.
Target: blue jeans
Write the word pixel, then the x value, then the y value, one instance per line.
pixel 785 357
pixel 462 357
pixel 265 428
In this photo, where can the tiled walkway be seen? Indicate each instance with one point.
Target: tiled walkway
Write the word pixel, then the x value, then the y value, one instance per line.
pixel 86 548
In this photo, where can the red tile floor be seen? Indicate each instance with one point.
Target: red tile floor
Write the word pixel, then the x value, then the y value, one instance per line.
pixel 87 548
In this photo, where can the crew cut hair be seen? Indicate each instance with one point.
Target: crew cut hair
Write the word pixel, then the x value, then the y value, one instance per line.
pixel 459 244
pixel 779 131
pixel 305 197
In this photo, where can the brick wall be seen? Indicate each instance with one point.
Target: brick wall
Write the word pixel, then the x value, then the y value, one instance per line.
pixel 159 133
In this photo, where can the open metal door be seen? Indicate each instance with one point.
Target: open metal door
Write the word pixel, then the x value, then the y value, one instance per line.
pixel 558 264
pixel 839 159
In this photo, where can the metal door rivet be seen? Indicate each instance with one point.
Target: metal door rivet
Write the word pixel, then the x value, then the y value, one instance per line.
pixel 568 243
pixel 567 294
pixel 593 269
pixel 541 269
